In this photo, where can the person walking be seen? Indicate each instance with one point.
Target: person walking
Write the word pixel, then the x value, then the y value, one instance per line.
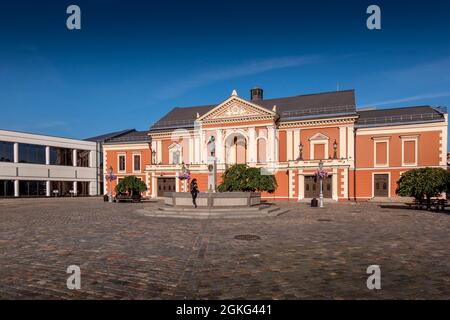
pixel 194 191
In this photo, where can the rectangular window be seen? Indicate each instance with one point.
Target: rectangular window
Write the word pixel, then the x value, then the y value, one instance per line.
pixel 31 153
pixel 137 162
pixel 6 151
pixel 83 158
pixel 6 188
pixel 319 151
pixel 61 188
pixel 32 188
pixel 61 156
pixel 122 162
pixel 409 152
pixel 381 150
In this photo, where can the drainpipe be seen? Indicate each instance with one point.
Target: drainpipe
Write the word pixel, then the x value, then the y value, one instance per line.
pixel 354 164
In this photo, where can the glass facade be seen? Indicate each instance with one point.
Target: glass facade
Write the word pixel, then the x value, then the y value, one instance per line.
pixel 6 188
pixel 83 158
pixel 6 151
pixel 31 153
pixel 82 189
pixel 61 188
pixel 32 188
pixel 61 156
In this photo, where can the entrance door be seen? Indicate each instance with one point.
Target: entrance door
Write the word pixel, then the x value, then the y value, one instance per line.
pixel 312 187
pixel 165 185
pixel 381 185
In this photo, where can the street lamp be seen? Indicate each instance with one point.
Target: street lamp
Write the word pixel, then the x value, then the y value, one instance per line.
pixel 110 177
pixel 321 184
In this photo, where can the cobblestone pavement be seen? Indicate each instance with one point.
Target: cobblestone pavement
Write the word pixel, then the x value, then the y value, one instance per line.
pixel 306 253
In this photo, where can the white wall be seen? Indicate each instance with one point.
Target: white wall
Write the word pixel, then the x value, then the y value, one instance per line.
pixel 42 172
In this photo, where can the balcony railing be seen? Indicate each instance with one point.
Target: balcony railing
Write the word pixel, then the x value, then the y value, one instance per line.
pixel 400 119
pixel 318 110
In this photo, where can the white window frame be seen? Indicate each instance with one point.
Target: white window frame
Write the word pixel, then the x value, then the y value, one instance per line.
pixel 140 163
pixel 389 182
pixel 118 162
pixel 318 138
pixel 404 139
pixel 173 148
pixel 380 140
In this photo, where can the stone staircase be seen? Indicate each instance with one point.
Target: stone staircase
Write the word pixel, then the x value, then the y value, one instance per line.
pixel 262 210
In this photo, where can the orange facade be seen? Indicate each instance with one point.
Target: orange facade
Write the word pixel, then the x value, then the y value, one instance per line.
pixel 363 161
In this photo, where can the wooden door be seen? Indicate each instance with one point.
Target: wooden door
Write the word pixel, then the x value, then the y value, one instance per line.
pixel 165 185
pixel 381 185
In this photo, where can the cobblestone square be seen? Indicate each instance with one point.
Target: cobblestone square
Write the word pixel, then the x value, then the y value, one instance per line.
pixel 307 253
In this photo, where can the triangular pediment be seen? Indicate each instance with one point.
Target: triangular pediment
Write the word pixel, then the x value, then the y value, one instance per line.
pixel 235 108
pixel 319 136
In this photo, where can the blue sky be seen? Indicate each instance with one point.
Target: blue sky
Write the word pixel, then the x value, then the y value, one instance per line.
pixel 134 60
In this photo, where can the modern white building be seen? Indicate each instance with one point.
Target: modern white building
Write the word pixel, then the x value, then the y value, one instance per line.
pixel 40 165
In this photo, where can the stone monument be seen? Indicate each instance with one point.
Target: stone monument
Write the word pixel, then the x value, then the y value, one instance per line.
pixel 212 166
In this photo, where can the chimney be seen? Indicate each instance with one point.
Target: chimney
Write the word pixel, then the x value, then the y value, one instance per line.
pixel 256 94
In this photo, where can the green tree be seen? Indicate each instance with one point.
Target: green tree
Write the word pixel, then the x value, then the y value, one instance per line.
pixel 240 177
pixel 132 185
pixel 423 183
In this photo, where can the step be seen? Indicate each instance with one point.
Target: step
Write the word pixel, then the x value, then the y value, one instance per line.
pixel 205 213
pixel 192 209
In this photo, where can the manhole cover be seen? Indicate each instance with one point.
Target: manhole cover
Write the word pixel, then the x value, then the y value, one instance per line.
pixel 247 237
pixel 324 220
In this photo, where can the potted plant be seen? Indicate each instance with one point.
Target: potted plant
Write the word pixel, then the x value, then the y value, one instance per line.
pixel 130 188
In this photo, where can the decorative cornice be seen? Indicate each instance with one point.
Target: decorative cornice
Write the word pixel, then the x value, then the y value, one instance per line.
pixel 315 122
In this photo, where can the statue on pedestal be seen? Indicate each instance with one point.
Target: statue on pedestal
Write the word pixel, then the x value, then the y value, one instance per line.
pixel 212 142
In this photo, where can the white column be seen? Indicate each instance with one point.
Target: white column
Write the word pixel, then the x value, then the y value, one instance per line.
pixel 92 158
pixel 345 183
pixel 16 188
pixel 297 140
pixel 219 146
pixel 47 155
pixel 351 143
pixel 16 152
pixel 271 146
pixel 159 151
pixel 75 191
pixel 191 149
pixel 301 185
pixel 252 148
pixel 342 142
pixel 444 144
pixel 47 188
pixel 201 139
pixel 334 183
pixel 154 191
pixel 290 191
pixel 74 156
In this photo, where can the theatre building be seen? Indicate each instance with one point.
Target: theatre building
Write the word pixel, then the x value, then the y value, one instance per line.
pixel 363 151
pixel 33 165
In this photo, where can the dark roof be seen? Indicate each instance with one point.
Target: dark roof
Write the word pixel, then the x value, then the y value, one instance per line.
pixel 180 117
pixel 310 105
pixel 107 136
pixel 289 108
pixel 394 116
pixel 130 137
